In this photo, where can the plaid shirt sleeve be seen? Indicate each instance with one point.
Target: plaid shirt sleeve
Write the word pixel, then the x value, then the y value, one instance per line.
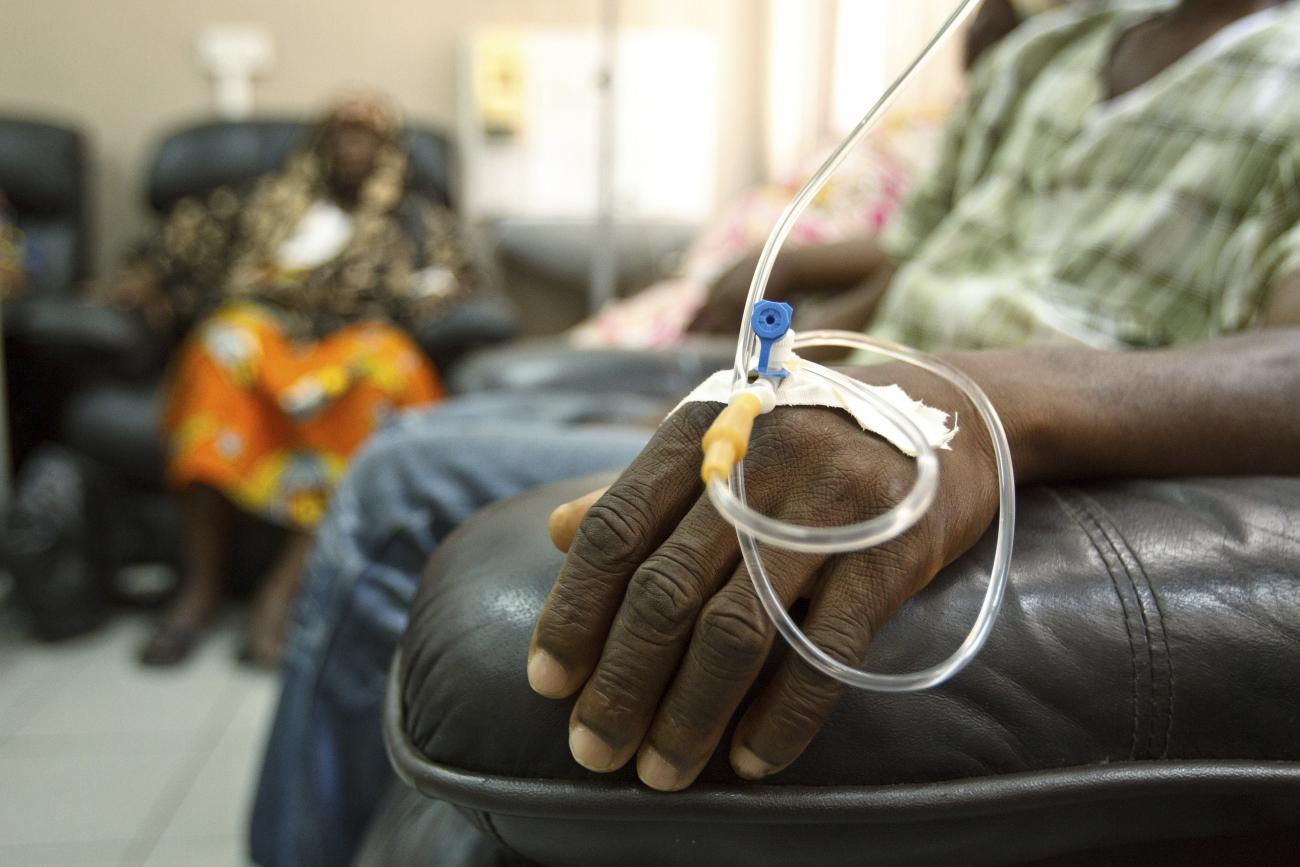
pixel 932 196
pixel 1266 247
pixel 965 148
pixel 1283 255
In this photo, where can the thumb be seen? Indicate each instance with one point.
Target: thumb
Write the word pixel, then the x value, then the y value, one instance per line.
pixel 564 521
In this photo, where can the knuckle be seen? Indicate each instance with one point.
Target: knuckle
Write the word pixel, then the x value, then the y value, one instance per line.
pixel 690 422
pixel 614 526
pixel 823 456
pixel 840 493
pixel 567 620
pixel 733 633
pixel 842 636
pixel 901 567
pixel 612 698
pixel 891 486
pixel 662 600
pixel 803 708
pixel 808 695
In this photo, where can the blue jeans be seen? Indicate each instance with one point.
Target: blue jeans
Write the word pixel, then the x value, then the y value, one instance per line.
pixel 325 768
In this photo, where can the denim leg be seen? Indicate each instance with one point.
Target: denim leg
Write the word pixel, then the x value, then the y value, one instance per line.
pixel 325 768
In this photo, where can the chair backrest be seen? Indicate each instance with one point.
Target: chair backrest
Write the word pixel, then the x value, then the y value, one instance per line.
pixel 43 175
pixel 196 159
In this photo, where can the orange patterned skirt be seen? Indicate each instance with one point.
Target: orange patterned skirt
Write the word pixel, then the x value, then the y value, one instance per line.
pixel 272 423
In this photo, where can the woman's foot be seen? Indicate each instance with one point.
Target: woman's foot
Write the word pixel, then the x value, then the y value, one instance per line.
pixel 273 605
pixel 170 643
pixel 263 642
pixel 178 633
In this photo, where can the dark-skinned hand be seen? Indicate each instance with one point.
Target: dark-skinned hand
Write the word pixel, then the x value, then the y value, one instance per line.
pixel 721 311
pixel 654 624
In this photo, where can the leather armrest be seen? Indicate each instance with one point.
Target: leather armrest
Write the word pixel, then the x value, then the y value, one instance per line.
pixel 1139 689
pixel 82 338
pixel 554 365
pixel 476 323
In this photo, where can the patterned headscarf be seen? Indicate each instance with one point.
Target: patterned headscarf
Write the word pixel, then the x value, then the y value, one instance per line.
pixel 279 202
pixel 371 111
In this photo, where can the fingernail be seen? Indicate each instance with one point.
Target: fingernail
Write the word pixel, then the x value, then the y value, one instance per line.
pixel 546 676
pixel 589 750
pixel 657 773
pixel 748 765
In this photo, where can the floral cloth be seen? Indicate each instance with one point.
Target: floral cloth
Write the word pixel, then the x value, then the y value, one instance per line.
pixel 271 422
pixel 858 201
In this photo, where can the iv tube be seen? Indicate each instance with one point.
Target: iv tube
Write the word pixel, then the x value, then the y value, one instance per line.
pixel 729 497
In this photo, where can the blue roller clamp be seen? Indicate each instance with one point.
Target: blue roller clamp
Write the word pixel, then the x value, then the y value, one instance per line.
pixel 770 321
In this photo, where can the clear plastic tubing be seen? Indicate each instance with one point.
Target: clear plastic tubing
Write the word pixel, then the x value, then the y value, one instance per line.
pixel 752 526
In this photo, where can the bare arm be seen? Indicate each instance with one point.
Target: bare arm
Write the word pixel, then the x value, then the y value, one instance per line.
pixel 1225 407
pixel 797 272
pixel 1284 308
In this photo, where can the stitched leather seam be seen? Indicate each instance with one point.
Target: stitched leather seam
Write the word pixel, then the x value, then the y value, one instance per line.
pixel 1133 564
pixel 1087 525
pixel 1169 668
pixel 1108 531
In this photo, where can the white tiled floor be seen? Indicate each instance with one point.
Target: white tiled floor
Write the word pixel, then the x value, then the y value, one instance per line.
pixel 103 762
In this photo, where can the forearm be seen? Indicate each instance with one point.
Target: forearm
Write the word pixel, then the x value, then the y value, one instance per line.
pixel 1225 407
pixel 849 310
pixel 822 267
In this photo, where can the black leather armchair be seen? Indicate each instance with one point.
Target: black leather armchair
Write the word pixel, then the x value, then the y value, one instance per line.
pixel 43 174
pixel 1137 703
pixel 553 365
pixel 198 158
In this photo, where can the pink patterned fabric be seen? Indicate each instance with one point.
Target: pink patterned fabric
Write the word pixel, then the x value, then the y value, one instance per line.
pixel 859 201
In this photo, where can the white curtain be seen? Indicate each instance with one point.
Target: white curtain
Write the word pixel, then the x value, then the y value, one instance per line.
pixel 829 60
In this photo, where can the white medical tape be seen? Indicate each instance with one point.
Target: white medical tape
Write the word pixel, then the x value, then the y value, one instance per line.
pixel 802 389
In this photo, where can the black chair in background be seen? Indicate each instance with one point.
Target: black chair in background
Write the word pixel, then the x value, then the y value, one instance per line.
pixel 43 175
pixel 112 420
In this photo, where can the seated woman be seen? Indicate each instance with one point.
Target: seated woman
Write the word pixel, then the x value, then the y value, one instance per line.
pixel 308 286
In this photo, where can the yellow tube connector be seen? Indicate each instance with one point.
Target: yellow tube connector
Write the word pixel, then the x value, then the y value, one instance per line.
pixel 727 439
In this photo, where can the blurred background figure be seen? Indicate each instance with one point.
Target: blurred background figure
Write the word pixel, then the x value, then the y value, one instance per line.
pixel 13 268
pixel 318 276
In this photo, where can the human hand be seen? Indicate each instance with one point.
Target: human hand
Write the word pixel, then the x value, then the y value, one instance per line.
pixel 653 618
pixel 13 282
pixel 136 287
pixel 721 312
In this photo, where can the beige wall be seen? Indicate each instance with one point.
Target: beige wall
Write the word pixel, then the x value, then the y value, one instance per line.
pixel 124 69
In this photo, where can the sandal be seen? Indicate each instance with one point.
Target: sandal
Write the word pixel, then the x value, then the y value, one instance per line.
pixel 170 643
pixel 256 654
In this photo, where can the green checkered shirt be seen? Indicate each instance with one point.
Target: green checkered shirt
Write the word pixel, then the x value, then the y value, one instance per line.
pixel 1163 216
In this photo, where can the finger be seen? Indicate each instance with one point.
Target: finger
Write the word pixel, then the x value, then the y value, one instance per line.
pixel 649 635
pixel 563 523
pixel 855 598
pixel 727 651
pixel 619 531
